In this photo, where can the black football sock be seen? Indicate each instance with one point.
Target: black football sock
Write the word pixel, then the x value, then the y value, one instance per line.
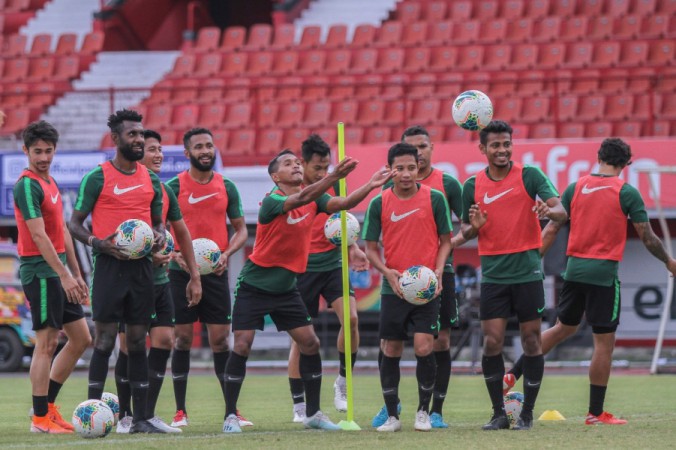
pixel 220 360
pixel 122 384
pixel 442 379
pixel 157 367
pixel 389 381
pixel 494 369
pixel 342 371
pixel 235 371
pixel 40 405
pixel 311 374
pixel 138 381
pixel 98 370
pixel 53 392
pixel 180 367
pixel 380 358
pixel 425 372
pixel 597 396
pixel 517 370
pixel 533 370
pixel 297 390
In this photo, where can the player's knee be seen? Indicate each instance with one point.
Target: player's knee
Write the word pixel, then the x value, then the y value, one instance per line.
pixel 493 344
pixel 423 348
pixel 309 345
pixel 182 343
pixel 242 348
pixel 354 323
pixel 220 346
pixel 135 343
pixel 531 343
pixel 82 342
pixel 442 342
pixel 105 341
pixel 162 342
pixel 47 346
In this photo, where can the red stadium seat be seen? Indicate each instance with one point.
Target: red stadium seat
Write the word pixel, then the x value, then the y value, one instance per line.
pixel 486 10
pixel 16 70
pixel 524 56
pixel 233 39
pixel 591 108
pixel 394 86
pixel 619 107
pixel 512 9
pixel 344 111
pixel 211 90
pixel 237 90
pixel 439 33
pixel 240 142
pixel 337 37
pixel 508 109
pixel 600 28
pixel 493 31
pixel 354 135
pixel 606 54
pixel 16 95
pixel 661 53
pixel 66 44
pixel 260 64
pixel 17 119
pixel 41 69
pixel 42 45
pixel 531 83
pixel 93 43
pixel 408 11
pixel 364 36
pixel 520 131
pixel 395 113
pixel 414 34
pixel 417 59
pixel 208 39
pixel 221 141
pixel 551 56
pixel 633 54
pixel 645 107
pixel 329 135
pixel 294 137
pixel 370 112
pixel 425 111
pixel 422 85
pixel 497 57
pixel 613 81
pixel 641 80
pixel 590 8
pixel 479 81
pixel 67 68
pixel 185 116
pixel 668 106
pixel 311 62
pixel 560 84
pixel 578 55
pixel 284 63
pixel 470 59
pixel 290 114
pixel 644 7
pixel 535 109
pixel 574 29
pixel 460 10
pixel 267 115
pixel 269 141
pixel 368 86
pixel 390 60
pixel 389 34
pixel 337 62
pixel 666 82
pixel 537 9
pixel 563 8
pixel 316 88
pixel 627 129
pixel 289 88
pixel 259 37
pixel 238 115
pixel 659 128
pixel 284 36
pixel 466 32
pixel 443 59
pixel 598 130
pixel 571 130
pixel 184 66
pixel 311 37
pixel 341 88
pixel 16 45
pixel 457 134
pixel 235 63
pixel 265 89
pixel 520 30
pixel 542 131
pixel 435 11
pixel 655 27
pixel 208 65
pixel 185 90
pixel 211 115
pixel 377 135
pixel 161 92
pixel 547 29
pixel 158 117
pixel 317 114
pixel 566 108
pixel 504 84
pixel 618 8
pixel 364 61
pixel 585 82
pixel 628 27
pixel 42 95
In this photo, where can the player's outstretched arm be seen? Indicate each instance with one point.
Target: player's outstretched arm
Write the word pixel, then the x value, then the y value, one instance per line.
pixel 315 190
pixel 655 245
pixel 194 287
pixel 378 180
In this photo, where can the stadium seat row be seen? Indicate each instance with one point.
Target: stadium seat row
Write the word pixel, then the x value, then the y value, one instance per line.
pixel 63 68
pixel 17 44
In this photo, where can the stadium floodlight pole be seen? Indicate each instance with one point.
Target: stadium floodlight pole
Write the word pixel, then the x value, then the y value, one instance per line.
pixel 667 243
pixel 348 424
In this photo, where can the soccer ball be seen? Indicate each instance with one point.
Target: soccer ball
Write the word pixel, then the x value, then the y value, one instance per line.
pixel 472 110
pixel 113 403
pixel 513 405
pixel 134 237
pixel 92 419
pixel 332 229
pixel 418 283
pixel 207 255
pixel 168 243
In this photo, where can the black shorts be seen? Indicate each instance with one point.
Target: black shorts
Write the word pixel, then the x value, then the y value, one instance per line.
pixel 164 307
pixel 287 309
pixel 602 305
pixel 448 303
pixel 49 305
pixel 502 301
pixel 398 317
pixel 122 291
pixel 328 284
pixel 215 304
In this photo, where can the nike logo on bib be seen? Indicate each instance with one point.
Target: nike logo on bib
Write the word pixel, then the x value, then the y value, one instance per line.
pixel 588 190
pixel 397 218
pixel 120 191
pixel 291 221
pixel 55 198
pixel 488 200
pixel 192 200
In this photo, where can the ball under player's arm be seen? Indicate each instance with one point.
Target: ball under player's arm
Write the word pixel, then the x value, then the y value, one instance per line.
pixel 343 203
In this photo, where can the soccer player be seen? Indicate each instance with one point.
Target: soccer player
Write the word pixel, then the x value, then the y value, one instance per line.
pixel 323 276
pixel 206 198
pixel 407 209
pixel 418 137
pixel 55 295
pixel 500 208
pixel 267 283
pixel 595 247
pixel 122 289
pixel 162 325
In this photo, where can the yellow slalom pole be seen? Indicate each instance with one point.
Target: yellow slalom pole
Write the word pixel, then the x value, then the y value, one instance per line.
pixel 348 424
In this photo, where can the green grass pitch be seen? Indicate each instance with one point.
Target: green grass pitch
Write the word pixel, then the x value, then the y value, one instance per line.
pixel 648 402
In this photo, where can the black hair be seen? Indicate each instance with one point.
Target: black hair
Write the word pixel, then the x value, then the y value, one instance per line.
pixel 40 130
pixel 615 152
pixel 273 166
pixel 401 149
pixel 415 130
pixel 495 126
pixel 314 145
pixel 194 132
pixel 152 134
pixel 115 120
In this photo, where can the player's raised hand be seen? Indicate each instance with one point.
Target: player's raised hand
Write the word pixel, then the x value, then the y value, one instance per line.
pixel 477 216
pixel 109 247
pixel 381 177
pixel 344 167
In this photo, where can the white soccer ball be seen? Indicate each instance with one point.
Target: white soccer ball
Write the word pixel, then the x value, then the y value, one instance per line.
pixel 207 255
pixel 93 419
pixel 332 229
pixel 168 244
pixel 513 405
pixel 134 238
pixel 113 403
pixel 418 283
pixel 472 110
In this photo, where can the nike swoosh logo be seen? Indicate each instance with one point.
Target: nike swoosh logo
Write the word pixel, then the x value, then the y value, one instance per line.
pixel 388 391
pixel 229 378
pixel 316 375
pixel 407 284
pixel 532 384
pixel 160 375
pixel 397 218
pixel 488 200
pixel 454 320
pixel 120 191
pixel 55 198
pixel 124 380
pixel 192 200
pixel 177 377
pixel 588 190
pixel 291 221
pixel 540 310
pixel 143 385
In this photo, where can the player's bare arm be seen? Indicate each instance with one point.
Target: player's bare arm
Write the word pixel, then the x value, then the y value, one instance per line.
pixel 83 235
pixel 552 209
pixel 445 248
pixel 654 245
pixel 549 234
pixel 236 242
pixel 477 219
pixel 378 180
pixel 392 276
pixel 74 267
pixel 186 259
pixel 358 260
pixel 158 231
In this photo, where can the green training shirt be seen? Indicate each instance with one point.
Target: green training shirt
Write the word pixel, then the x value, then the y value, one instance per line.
pixel 160 275
pixel 328 260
